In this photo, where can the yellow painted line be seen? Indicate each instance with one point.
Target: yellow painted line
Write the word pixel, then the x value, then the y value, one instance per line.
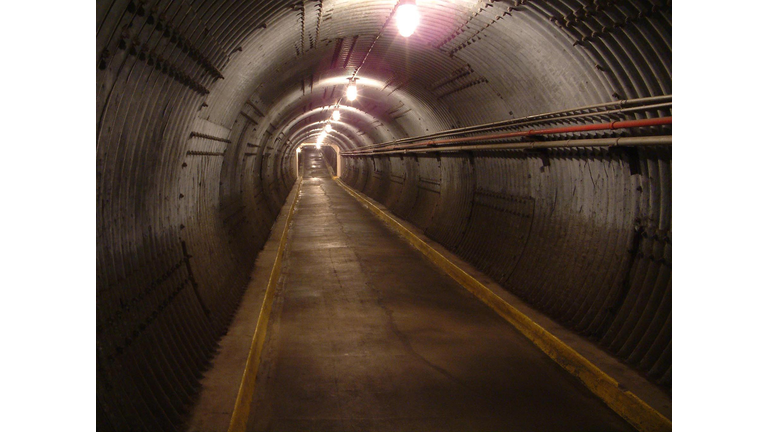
pixel 244 400
pixel 639 414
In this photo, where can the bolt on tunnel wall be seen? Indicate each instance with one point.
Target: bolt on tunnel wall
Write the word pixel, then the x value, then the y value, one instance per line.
pixel 202 104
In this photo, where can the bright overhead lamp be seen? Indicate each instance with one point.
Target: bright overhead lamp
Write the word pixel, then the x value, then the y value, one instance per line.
pixel 407 18
pixel 318 145
pixel 328 128
pixel 336 115
pixel 352 91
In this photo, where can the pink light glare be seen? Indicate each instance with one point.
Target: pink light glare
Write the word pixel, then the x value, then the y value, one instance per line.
pixel 407 19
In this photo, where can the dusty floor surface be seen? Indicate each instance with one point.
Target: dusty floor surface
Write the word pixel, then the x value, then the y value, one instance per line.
pixel 367 335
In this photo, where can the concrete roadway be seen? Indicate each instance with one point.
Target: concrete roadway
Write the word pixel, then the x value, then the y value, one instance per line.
pixel 368 335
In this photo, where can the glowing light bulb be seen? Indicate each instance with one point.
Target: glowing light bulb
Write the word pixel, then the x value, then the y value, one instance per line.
pixel 336 115
pixel 318 145
pixel 407 18
pixel 352 92
pixel 328 128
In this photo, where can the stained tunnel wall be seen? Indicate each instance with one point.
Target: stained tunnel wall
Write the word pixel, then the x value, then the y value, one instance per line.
pixel 583 235
pixel 196 102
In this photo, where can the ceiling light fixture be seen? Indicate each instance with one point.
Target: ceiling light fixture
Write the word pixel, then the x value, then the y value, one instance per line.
pixel 328 128
pixel 407 18
pixel 336 115
pixel 352 90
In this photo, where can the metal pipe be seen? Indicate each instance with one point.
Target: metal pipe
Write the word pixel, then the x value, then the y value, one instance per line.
pixel 588 142
pixel 531 132
pixel 627 105
pixel 527 123
pixel 525 132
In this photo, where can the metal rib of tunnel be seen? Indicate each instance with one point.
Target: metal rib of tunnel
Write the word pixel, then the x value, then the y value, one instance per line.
pixel 532 139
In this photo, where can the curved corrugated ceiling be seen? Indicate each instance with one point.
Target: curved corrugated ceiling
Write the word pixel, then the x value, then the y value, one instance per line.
pixel 201 102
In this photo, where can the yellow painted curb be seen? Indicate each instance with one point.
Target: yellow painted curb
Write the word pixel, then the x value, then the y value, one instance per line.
pixel 244 400
pixel 639 414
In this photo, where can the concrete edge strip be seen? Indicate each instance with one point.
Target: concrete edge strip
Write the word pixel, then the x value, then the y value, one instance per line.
pixel 242 409
pixel 625 403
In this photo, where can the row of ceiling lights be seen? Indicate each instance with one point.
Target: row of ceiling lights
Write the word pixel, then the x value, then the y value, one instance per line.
pixel 407 19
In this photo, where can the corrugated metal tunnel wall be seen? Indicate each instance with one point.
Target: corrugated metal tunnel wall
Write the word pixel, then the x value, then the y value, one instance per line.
pixel 201 105
pixel 580 236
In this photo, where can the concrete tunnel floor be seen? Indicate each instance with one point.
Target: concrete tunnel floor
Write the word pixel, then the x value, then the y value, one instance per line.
pixel 367 334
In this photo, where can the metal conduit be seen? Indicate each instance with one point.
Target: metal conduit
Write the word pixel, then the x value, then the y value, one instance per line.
pixel 624 106
pixel 585 143
pixel 570 129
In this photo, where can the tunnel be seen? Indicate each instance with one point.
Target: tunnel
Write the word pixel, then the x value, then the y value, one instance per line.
pixel 528 140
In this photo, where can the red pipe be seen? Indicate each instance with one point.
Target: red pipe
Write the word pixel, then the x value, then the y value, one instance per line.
pixel 582 128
